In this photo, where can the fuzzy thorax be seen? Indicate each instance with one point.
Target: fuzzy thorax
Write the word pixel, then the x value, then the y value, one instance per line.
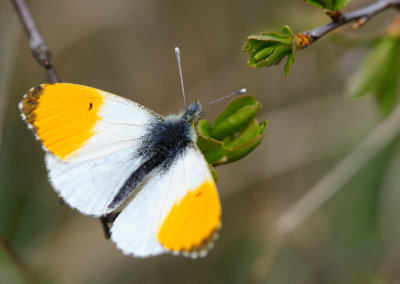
pixel 193 112
pixel 188 117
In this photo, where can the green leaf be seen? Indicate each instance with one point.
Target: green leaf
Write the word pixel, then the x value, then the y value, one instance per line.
pixel 243 150
pixel 387 87
pixel 214 174
pixel 270 37
pixel 237 115
pixel 277 54
pixel 378 74
pixel 263 126
pixel 204 127
pixel 288 64
pixel 332 5
pixel 267 49
pixel 234 134
pixel 287 30
pixel 264 53
pixel 228 139
pixel 212 149
pixel 235 105
pixel 246 142
pixel 252 130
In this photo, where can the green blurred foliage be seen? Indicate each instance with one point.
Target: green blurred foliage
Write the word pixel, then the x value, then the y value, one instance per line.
pixel 378 74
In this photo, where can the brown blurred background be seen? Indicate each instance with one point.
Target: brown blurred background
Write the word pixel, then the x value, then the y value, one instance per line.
pixel 126 47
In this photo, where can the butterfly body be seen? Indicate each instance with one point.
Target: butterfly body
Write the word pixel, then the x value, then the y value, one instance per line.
pixel 100 148
pixel 164 141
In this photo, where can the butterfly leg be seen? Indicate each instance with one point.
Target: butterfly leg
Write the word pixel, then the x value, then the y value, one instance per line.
pixel 108 220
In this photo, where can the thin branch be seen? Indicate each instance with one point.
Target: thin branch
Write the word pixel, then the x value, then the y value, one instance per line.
pixel 359 17
pixel 18 262
pixel 38 46
pixel 325 188
pixel 42 53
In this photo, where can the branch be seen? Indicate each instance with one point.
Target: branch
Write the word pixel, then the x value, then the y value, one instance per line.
pixel 18 262
pixel 325 188
pixel 42 53
pixel 38 46
pixel 360 17
pixel 269 48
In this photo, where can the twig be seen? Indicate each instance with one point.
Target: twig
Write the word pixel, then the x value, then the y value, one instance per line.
pixel 327 186
pixel 18 262
pixel 42 54
pixel 38 46
pixel 360 17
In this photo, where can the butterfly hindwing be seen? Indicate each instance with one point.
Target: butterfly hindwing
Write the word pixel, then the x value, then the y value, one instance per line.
pixel 90 186
pixel 177 210
pixel 90 137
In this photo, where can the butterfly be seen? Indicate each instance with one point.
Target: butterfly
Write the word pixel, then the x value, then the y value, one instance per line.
pixel 100 149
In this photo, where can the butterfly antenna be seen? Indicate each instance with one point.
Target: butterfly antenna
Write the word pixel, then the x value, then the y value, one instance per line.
pixel 178 58
pixel 238 92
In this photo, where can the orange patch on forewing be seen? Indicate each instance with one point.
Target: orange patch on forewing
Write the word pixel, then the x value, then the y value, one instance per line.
pixel 62 115
pixel 192 221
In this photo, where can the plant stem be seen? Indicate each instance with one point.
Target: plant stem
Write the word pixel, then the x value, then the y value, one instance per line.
pixel 38 46
pixel 41 52
pixel 360 17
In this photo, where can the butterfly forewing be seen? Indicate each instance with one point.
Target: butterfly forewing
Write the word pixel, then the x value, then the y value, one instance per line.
pixel 90 137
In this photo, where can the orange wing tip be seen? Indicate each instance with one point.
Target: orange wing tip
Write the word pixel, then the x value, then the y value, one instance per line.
pixel 63 116
pixel 192 222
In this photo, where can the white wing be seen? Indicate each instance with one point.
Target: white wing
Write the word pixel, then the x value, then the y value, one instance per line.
pixel 122 123
pixel 90 186
pixel 90 137
pixel 177 197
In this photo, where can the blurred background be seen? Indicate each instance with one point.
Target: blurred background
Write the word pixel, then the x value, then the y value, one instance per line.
pixel 126 47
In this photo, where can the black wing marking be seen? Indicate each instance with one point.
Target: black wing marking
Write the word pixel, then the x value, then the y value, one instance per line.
pixel 136 178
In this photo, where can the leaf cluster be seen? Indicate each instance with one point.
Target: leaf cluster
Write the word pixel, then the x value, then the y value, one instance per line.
pixel 234 133
pixel 267 49
pixel 331 5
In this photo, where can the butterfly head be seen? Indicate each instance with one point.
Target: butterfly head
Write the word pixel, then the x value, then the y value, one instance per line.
pixel 193 112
